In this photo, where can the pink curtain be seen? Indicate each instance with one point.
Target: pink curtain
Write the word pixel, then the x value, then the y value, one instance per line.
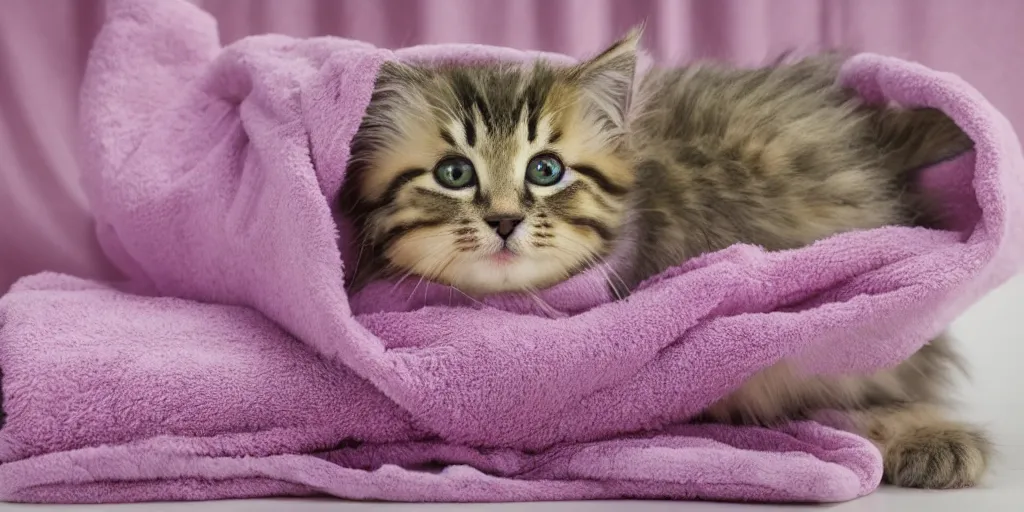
pixel 44 218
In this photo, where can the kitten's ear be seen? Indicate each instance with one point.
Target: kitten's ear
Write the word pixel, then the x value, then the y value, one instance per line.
pixel 397 87
pixel 607 79
pixel 395 73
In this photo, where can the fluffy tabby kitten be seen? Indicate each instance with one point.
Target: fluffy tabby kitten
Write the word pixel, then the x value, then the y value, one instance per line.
pixel 502 177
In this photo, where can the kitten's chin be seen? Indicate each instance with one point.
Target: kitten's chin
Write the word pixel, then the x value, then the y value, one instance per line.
pixel 504 274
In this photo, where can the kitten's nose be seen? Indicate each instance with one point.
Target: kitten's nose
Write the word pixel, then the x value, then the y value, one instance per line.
pixel 503 225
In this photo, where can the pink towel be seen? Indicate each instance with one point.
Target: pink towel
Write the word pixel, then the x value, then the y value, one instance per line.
pixel 233 363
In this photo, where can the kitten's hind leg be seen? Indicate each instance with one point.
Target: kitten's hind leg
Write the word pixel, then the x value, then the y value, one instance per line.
pixel 922 448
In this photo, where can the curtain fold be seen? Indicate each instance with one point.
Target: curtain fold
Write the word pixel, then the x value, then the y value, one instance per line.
pixel 44 219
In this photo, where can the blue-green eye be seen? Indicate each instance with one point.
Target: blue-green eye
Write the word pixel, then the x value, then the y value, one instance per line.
pixel 455 172
pixel 544 170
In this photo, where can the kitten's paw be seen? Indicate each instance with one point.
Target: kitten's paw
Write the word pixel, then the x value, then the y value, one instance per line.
pixel 947 456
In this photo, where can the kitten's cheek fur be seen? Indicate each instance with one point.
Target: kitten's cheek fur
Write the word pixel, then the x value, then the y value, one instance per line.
pixel 425 254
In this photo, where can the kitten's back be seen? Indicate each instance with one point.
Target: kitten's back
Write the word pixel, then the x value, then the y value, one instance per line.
pixel 779 156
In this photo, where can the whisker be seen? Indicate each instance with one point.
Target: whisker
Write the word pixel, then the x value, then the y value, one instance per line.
pixel 466 295
pixel 359 257
pixel 433 274
pixel 547 308
pixel 593 261
pixel 410 271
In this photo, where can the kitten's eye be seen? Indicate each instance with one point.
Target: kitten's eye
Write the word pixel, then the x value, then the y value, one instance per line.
pixel 544 170
pixel 455 172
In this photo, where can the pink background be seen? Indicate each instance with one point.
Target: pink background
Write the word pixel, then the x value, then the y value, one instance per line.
pixel 44 219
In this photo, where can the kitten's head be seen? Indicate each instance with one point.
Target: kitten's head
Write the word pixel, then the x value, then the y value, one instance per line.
pixel 493 178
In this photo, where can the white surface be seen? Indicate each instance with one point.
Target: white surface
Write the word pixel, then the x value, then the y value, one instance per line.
pixel 1004 492
pixel 990 336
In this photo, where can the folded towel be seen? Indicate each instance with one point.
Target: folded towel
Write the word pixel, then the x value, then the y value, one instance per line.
pixel 232 363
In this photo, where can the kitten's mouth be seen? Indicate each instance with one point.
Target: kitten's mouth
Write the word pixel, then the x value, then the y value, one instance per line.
pixel 503 256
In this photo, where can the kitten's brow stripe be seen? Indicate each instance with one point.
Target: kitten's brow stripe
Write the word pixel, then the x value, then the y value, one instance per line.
pixel 532 116
pixel 600 179
pixel 447 137
pixel 470 99
pixel 534 96
pixel 470 129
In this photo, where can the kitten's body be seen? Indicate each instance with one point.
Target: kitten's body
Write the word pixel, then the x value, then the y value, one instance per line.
pixel 781 157
pixel 708 157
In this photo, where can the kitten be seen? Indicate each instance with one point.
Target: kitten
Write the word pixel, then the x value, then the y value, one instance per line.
pixel 498 178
